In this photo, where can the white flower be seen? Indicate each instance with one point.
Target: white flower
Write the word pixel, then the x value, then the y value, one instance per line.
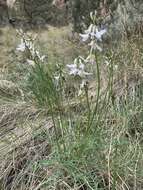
pixel 84 37
pixel 29 44
pixel 77 70
pixel 26 44
pixel 72 69
pixel 90 29
pixel 21 47
pixel 92 32
pixel 100 33
pixel 30 62
pixel 89 33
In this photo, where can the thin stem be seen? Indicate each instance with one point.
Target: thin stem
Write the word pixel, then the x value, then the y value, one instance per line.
pixel 88 104
pixel 98 94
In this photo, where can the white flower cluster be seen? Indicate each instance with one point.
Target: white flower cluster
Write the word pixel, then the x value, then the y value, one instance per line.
pixel 27 44
pixel 78 68
pixel 92 35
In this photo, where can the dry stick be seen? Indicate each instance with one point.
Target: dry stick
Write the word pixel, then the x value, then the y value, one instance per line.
pixel 123 182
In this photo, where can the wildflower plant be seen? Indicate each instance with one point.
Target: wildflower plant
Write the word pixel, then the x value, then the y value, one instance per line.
pixel 93 37
pixel 27 45
pixel 44 80
pixel 41 81
pixel 48 86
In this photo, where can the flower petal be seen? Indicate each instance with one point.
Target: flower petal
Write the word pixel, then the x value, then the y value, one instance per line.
pixel 84 37
pixel 21 47
pixel 100 33
pixel 72 66
pixel 89 30
pixel 31 62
